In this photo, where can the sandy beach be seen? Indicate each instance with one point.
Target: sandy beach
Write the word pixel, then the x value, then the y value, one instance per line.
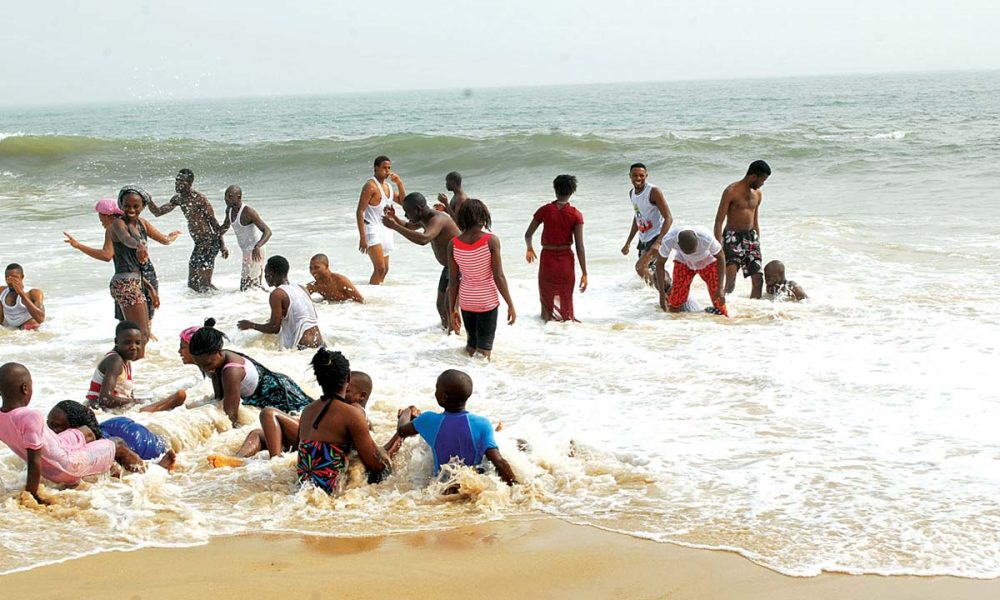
pixel 506 559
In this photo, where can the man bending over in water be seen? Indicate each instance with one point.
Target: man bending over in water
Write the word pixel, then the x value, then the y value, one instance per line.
pixel 439 229
pixel 20 308
pixel 205 230
pixel 334 287
pixel 293 315
pixel 740 209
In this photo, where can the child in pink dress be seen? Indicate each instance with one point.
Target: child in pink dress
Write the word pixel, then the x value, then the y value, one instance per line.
pixel 64 458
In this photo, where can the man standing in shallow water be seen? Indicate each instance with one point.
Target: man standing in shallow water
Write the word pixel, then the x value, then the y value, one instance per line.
pixel 740 209
pixel 376 195
pixel 205 230
pixel 652 220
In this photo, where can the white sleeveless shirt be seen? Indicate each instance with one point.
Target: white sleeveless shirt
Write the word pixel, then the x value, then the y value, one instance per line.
pixel 301 315
pixel 647 216
pixel 14 316
pixel 246 235
pixel 376 232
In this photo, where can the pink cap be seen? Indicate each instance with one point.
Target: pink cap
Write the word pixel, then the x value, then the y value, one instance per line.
pixel 188 333
pixel 107 206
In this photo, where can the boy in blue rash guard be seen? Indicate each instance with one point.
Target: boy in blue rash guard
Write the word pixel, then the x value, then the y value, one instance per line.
pixel 455 432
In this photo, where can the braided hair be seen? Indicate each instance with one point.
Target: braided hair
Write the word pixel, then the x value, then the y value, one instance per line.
pixel 207 340
pixel 78 415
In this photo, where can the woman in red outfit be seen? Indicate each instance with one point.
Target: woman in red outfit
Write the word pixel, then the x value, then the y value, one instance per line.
pixel 556 275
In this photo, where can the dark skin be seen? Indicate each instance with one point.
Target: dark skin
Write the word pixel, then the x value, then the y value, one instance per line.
pixel 343 423
pixel 662 279
pixel 234 201
pixel 739 210
pixel 371 196
pixel 225 382
pixel 128 345
pixel 202 225
pixel 279 302
pixel 638 178
pixel 125 456
pixel 334 287
pixel 126 231
pixel 469 236
pixel 458 197
pixel 774 279
pixel 16 389
pixel 33 300
pixel 438 230
pixel 451 395
pixel 581 254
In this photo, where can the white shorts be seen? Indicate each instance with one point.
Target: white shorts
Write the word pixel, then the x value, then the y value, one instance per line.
pixel 252 270
pixel 376 235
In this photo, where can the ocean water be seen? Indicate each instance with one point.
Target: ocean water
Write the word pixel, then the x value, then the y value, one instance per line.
pixel 856 432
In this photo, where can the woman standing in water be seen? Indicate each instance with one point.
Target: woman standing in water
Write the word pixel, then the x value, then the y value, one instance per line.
pixel 556 274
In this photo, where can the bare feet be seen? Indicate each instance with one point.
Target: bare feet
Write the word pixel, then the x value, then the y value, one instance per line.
pixel 168 461
pixel 221 460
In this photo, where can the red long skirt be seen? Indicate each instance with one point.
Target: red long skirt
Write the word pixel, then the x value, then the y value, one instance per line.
pixel 556 280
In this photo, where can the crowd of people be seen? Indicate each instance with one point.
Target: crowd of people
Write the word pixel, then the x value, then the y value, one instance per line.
pixel 71 443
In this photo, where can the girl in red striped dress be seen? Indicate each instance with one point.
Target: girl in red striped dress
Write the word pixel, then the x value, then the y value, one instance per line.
pixel 475 275
pixel 563 228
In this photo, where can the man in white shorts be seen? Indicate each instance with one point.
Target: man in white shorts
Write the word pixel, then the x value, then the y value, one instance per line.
pixel 376 241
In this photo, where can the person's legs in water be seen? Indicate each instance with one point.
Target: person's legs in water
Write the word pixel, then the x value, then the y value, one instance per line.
pixel 380 264
pixel 170 402
pixel 281 431
pixel 201 265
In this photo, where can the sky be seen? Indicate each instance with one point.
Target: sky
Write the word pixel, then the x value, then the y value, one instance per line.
pixel 67 52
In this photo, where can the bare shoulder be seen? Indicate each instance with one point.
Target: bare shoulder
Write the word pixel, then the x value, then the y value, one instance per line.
pixel 36 294
pixel 493 242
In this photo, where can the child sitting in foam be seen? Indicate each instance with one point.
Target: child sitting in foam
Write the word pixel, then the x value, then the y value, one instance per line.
pixel 777 287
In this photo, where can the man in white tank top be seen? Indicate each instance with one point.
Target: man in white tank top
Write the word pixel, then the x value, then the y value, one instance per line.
pixel 652 219
pixel 376 240
pixel 246 223
pixel 20 308
pixel 293 314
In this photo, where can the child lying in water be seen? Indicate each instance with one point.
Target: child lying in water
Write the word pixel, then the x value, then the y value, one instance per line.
pixel 779 288
pixel 66 457
pixel 139 439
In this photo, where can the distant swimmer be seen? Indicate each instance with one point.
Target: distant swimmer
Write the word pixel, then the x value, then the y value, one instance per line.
pixel 455 434
pixel 439 230
pixel 333 287
pixel 563 228
pixel 112 386
pixel 107 210
pixel 697 253
pixel 652 219
pixel 293 315
pixel 331 428
pixel 739 209
pixel 238 379
pixel 20 308
pixel 246 223
pixel 452 183
pixel 376 195
pixel 63 458
pixel 475 277
pixel 779 288
pixel 205 230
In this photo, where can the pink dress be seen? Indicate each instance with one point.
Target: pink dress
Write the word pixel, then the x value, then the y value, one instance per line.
pixel 66 457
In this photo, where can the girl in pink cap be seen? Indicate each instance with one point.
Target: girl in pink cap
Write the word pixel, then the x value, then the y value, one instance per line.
pixel 107 211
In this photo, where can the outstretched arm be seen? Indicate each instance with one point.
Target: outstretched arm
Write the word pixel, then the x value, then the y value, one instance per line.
pixel 500 279
pixel 278 301
pixel 105 254
pixel 158 236
pixel 159 211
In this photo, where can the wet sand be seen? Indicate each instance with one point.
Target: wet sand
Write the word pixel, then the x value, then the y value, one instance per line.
pixel 506 559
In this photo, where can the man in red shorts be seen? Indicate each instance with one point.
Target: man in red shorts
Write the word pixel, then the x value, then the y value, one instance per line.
pixel 697 253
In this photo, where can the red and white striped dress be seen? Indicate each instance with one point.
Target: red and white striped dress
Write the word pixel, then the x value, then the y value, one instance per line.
pixel 477 292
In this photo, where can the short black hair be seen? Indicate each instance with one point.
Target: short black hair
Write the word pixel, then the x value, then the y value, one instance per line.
pixel 124 326
pixel 637 166
pixel 564 185
pixel 186 175
pixel 473 212
pixel 381 159
pixel 207 340
pixel 14 267
pixel 278 265
pixel 332 370
pixel 415 200
pixel 78 415
pixel 759 167
pixel 454 176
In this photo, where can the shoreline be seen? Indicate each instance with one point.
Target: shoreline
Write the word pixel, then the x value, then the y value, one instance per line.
pixel 547 558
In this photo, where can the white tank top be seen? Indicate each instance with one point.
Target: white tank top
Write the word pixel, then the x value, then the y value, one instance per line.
pixel 246 235
pixel 14 316
pixel 248 385
pixel 374 214
pixel 647 216
pixel 301 315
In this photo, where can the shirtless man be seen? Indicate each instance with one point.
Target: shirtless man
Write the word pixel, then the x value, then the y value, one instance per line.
pixel 652 220
pixel 293 316
pixel 334 287
pixel 205 230
pixel 246 223
pixel 740 209
pixel 453 183
pixel 20 309
pixel 376 195
pixel 439 229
